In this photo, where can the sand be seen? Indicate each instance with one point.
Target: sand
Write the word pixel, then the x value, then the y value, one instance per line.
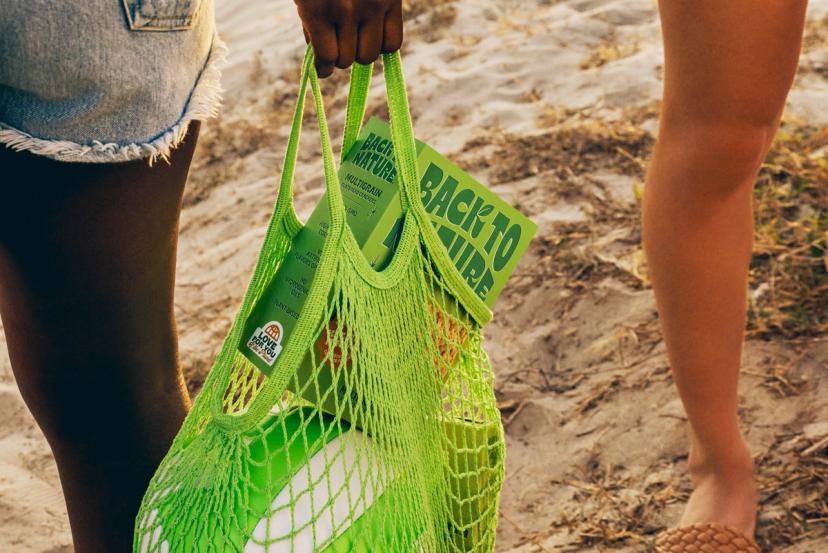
pixel 554 104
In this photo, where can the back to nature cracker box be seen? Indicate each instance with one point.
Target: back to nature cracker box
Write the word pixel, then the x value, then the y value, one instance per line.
pixel 484 235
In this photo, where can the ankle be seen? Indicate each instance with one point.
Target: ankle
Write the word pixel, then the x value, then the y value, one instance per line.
pixel 724 487
pixel 733 462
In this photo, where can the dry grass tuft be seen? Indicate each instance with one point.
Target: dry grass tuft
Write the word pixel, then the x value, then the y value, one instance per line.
pixel 570 150
pixel 789 271
pixel 609 50
pixel 793 477
pixel 610 511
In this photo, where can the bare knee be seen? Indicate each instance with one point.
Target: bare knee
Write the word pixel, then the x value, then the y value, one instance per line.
pixel 717 159
pixel 86 401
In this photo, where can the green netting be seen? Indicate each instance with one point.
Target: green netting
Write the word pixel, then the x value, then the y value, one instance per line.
pixel 417 465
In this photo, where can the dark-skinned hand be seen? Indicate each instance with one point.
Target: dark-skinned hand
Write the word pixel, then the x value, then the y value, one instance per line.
pixel 344 31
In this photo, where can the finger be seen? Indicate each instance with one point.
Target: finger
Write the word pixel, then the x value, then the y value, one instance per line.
pixel 369 42
pixel 346 33
pixel 392 36
pixel 325 49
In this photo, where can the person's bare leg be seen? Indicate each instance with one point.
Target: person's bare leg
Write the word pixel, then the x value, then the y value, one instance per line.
pixel 87 269
pixel 729 66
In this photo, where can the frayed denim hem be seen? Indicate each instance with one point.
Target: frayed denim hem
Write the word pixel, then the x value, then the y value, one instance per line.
pixel 204 103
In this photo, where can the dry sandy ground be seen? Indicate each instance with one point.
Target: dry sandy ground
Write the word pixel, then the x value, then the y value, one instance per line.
pixel 552 102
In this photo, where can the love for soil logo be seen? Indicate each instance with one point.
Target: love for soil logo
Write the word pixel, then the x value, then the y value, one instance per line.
pixel 266 342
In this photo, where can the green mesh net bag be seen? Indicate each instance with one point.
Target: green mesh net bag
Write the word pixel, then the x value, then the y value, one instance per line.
pixel 417 463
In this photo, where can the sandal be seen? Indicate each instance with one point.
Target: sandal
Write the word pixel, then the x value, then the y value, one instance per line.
pixel 705 537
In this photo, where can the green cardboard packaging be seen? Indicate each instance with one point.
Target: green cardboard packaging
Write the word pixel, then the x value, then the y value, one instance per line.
pixel 484 236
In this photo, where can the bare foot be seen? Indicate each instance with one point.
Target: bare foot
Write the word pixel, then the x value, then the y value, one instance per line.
pixel 724 491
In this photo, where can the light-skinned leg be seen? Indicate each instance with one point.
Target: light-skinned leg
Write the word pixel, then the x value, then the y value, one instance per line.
pixel 728 69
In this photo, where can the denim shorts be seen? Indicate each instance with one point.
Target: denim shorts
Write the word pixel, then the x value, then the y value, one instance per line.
pixel 105 80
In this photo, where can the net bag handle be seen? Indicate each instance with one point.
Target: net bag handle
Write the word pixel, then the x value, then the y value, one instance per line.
pixel 402 135
pixel 284 214
pixel 405 154
pixel 285 200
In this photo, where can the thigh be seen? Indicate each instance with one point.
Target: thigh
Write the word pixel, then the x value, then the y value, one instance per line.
pixel 87 267
pixel 729 61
